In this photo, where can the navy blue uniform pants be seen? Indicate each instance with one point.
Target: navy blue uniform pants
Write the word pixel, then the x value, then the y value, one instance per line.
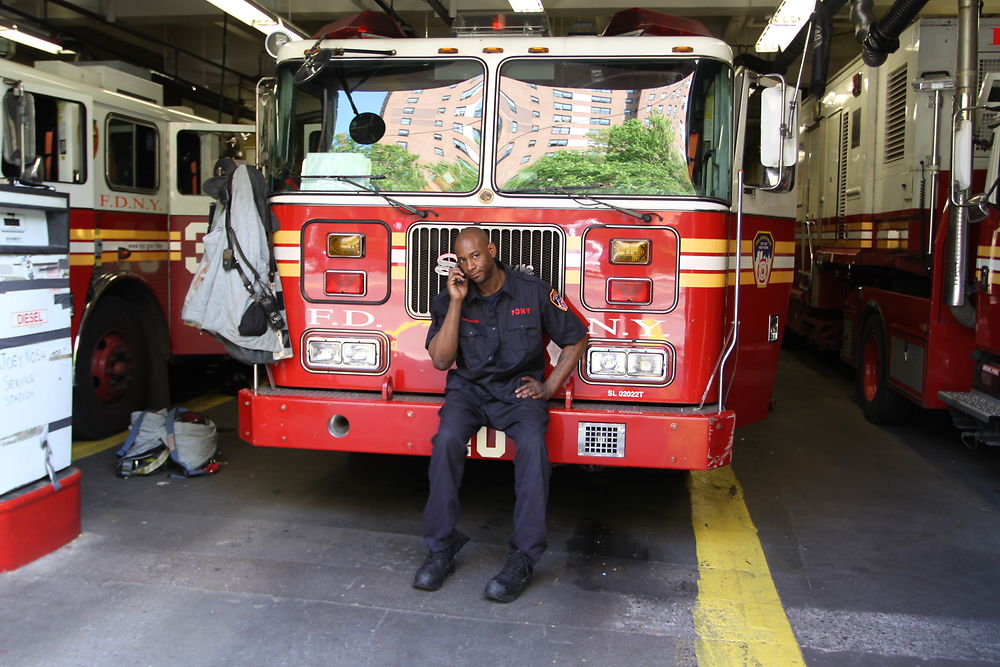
pixel 525 421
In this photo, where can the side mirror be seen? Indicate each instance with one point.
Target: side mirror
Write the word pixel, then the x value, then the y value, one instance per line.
pixel 778 127
pixel 367 128
pixel 961 155
pixel 315 62
pixel 991 194
pixel 19 155
pixel 266 124
pixel 993 171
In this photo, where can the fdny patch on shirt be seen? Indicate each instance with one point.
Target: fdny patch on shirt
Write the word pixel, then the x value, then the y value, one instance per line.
pixel 557 300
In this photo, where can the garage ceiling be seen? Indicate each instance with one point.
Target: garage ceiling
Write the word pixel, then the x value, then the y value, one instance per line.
pixel 187 41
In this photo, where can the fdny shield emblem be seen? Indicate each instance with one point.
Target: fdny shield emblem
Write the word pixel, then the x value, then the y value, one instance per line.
pixel 557 300
pixel 763 258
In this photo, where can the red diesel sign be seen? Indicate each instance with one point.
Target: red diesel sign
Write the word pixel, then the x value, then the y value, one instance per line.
pixel 30 318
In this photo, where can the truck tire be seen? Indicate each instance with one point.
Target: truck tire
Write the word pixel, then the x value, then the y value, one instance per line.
pixel 112 370
pixel 881 404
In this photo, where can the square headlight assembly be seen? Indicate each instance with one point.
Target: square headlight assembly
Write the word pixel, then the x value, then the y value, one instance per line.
pixel 343 354
pixel 624 364
pixel 360 354
pixel 647 365
pixel 608 364
pixel 322 353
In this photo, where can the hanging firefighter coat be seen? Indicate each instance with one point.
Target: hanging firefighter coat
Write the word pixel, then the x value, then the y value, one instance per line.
pixel 236 293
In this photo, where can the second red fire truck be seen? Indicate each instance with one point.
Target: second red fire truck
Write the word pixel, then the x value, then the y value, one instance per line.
pixel 895 267
pixel 133 171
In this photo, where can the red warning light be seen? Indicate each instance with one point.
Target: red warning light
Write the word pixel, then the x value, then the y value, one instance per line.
pixel 647 22
pixel 362 24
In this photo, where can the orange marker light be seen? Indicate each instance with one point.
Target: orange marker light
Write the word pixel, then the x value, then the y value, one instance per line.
pixel 629 251
pixel 345 245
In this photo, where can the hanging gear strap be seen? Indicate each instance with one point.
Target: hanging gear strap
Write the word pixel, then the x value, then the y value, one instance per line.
pixel 133 433
pixel 233 257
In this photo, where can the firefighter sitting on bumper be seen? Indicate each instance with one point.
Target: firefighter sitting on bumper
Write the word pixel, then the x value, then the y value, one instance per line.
pixel 491 321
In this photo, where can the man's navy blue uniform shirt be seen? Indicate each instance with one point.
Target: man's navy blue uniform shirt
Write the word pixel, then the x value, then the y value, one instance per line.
pixel 501 342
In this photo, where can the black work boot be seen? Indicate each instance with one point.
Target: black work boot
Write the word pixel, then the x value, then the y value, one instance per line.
pixel 438 565
pixel 512 579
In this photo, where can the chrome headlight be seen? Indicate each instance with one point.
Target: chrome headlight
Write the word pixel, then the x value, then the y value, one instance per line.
pixel 639 364
pixel 606 363
pixel 320 352
pixel 360 354
pixel 647 364
pixel 344 354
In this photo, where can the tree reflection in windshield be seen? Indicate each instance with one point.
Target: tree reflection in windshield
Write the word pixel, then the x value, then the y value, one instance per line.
pixel 656 131
pixel 433 118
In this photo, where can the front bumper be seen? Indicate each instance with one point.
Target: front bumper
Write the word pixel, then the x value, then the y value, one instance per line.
pixel 642 436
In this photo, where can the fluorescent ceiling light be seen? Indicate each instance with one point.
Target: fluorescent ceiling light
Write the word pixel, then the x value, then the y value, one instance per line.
pixel 784 25
pixel 526 6
pixel 15 35
pixel 254 16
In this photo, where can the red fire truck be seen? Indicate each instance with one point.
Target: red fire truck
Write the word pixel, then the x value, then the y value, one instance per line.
pixel 884 271
pixel 638 172
pixel 133 170
pixel 975 408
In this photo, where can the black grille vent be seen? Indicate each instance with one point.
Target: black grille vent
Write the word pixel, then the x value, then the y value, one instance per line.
pixel 842 168
pixel 541 247
pixel 895 115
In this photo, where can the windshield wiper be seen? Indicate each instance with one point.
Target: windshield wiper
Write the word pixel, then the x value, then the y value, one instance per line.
pixel 378 52
pixel 568 191
pixel 413 210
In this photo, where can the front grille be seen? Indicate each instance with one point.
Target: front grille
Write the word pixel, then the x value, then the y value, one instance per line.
pixel 541 247
pixel 598 439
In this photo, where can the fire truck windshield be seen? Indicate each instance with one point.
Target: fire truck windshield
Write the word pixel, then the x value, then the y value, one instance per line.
pixel 608 126
pixel 599 126
pixel 432 110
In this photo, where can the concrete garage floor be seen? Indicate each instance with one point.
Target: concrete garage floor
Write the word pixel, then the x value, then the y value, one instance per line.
pixel 882 544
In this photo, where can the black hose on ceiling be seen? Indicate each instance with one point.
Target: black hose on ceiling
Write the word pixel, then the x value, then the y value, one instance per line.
pixel 880 38
pixel 822 34
pixel 862 18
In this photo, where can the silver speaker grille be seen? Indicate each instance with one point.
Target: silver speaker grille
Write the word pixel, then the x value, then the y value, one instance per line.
pixel 600 439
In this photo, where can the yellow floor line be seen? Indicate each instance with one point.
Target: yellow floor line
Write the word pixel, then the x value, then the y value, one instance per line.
pixel 206 402
pixel 738 615
pixel 85 448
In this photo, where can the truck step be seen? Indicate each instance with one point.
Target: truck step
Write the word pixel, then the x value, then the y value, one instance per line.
pixel 974 403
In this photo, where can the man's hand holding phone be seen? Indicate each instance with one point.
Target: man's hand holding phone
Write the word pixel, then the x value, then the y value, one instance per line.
pixel 458 287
